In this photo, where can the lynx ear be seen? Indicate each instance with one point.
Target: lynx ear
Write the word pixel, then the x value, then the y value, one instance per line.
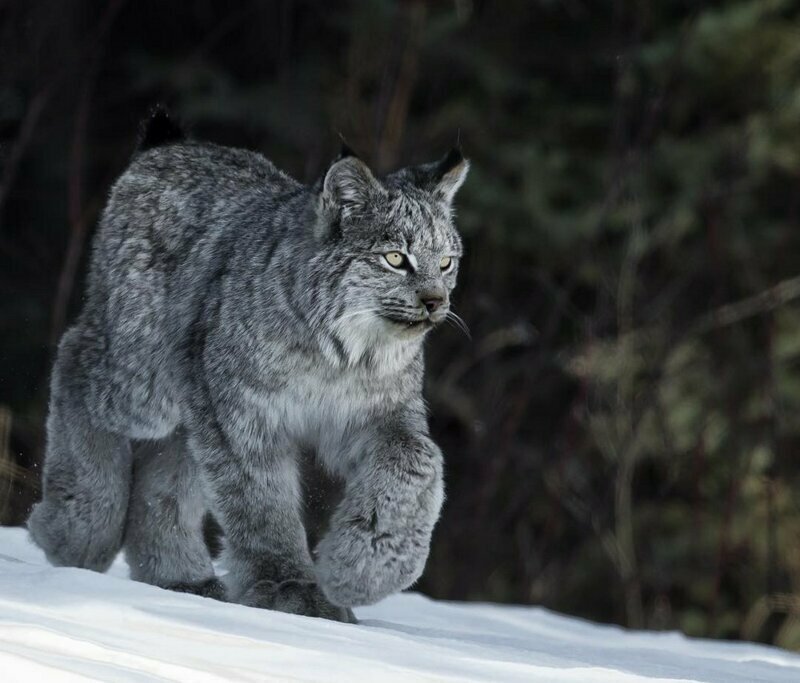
pixel 349 185
pixel 449 174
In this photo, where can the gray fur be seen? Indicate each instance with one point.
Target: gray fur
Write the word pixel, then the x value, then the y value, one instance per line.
pixel 236 318
pixel 164 542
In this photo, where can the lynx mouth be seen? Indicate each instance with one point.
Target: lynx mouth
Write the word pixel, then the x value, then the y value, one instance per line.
pixel 410 324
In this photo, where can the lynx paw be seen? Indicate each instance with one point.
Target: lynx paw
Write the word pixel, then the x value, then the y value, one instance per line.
pixel 295 597
pixel 359 567
pixel 72 539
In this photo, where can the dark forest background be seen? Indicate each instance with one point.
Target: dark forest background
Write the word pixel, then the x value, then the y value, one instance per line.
pixel 622 429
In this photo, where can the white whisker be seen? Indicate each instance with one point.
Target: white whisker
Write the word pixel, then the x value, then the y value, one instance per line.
pixel 458 322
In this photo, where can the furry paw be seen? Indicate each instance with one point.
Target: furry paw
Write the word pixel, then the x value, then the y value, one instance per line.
pixel 295 597
pixel 357 566
pixel 212 588
pixel 70 539
pixel 379 537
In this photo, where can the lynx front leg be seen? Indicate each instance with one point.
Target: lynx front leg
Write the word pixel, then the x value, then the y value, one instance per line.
pixel 255 491
pixel 380 533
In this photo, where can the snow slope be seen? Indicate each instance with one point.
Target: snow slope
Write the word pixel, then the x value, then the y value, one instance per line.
pixel 72 624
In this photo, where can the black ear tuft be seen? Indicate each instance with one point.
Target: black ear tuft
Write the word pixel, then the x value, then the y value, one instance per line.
pixel 159 129
pixel 448 174
pixel 345 152
pixel 453 158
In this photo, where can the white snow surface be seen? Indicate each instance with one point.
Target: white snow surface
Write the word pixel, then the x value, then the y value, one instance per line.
pixel 61 624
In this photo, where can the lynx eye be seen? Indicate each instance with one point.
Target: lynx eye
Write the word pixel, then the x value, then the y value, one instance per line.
pixel 395 259
pixel 445 262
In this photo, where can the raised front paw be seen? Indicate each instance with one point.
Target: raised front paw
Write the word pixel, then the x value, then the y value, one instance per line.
pixel 295 597
pixel 359 565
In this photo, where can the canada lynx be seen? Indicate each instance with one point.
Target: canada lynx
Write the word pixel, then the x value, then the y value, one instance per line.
pixel 234 319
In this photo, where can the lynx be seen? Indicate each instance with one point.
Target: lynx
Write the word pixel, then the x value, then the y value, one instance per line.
pixel 233 320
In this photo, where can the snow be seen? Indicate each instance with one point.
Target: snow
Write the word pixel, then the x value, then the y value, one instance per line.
pixel 60 624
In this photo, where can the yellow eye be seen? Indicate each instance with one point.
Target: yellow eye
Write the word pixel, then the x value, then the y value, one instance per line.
pixel 395 259
pixel 445 262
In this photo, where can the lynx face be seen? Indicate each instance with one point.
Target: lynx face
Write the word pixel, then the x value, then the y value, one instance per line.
pixel 400 244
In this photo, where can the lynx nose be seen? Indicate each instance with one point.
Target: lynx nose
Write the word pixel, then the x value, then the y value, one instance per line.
pixel 432 303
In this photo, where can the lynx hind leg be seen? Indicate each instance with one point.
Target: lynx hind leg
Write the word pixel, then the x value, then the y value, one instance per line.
pixel 164 541
pixel 86 481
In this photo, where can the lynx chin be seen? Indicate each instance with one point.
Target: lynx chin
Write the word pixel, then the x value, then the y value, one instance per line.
pixel 234 321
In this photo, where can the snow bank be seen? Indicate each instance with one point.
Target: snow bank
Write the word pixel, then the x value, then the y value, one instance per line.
pixel 72 624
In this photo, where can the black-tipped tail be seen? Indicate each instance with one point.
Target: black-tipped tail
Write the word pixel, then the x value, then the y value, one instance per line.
pixel 159 129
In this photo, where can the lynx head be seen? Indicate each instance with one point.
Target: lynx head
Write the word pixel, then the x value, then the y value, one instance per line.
pixel 397 244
